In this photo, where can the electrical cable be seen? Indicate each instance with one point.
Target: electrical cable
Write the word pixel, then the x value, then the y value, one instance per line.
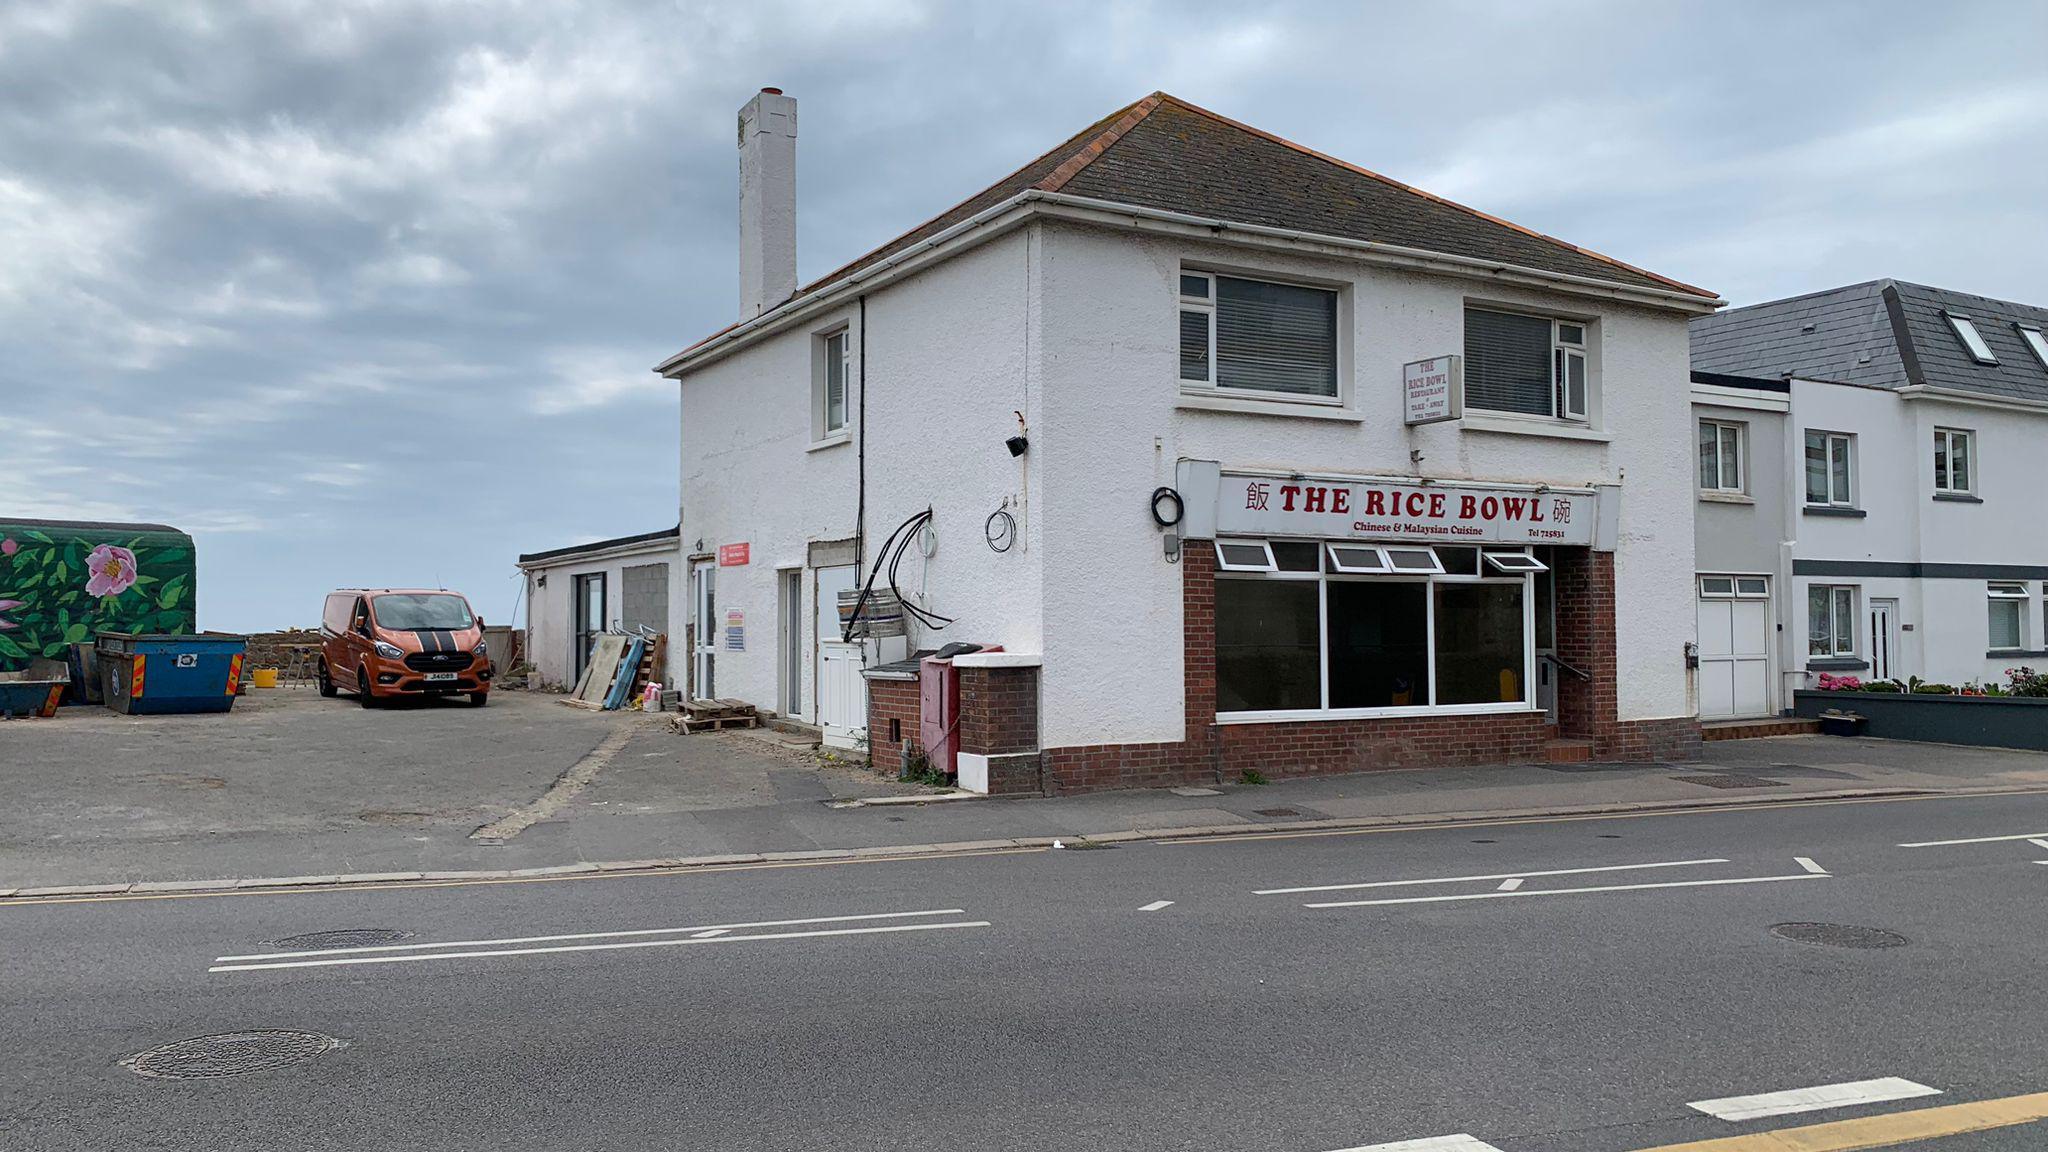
pixel 1000 530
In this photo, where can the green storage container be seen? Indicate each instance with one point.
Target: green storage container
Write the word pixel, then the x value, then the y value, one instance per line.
pixel 63 582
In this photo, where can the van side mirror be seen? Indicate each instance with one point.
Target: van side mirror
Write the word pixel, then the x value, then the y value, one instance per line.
pixel 479 623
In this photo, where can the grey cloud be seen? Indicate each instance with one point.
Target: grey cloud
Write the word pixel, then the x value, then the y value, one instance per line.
pixel 368 291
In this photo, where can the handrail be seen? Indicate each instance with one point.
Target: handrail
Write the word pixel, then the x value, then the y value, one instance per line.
pixel 1581 674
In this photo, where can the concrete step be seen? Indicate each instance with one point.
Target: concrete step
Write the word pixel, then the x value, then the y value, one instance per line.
pixel 1750 729
pixel 1562 751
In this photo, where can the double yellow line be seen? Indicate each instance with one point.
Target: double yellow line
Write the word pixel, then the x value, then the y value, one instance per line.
pixel 1887 1131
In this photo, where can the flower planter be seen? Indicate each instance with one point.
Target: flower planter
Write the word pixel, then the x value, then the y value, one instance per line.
pixel 1985 721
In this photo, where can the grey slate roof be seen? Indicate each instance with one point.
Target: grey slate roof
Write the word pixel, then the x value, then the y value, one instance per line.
pixel 1882 333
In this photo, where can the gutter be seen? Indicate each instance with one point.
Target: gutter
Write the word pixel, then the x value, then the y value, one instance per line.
pixel 1979 399
pixel 1031 203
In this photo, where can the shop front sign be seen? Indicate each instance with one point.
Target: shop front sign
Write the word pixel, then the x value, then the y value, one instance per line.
pixel 1390 510
pixel 1433 390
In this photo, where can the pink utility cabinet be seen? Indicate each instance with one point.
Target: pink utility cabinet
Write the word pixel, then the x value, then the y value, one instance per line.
pixel 938 705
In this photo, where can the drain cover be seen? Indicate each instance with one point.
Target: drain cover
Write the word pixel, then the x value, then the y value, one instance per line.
pixel 1839 935
pixel 1275 812
pixel 344 938
pixel 1731 780
pixel 229 1054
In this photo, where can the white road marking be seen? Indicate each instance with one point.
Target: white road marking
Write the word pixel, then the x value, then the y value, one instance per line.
pixel 1567 891
pixel 1807 863
pixel 1457 1143
pixel 1509 884
pixel 589 935
pixel 1494 876
pixel 1813 1099
pixel 1156 905
pixel 708 933
pixel 340 960
pixel 1977 840
pixel 2039 843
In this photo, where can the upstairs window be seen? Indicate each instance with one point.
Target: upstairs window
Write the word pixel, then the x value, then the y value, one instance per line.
pixel 1720 456
pixel 1526 365
pixel 1973 341
pixel 2035 342
pixel 831 375
pixel 1829 468
pixel 1955 460
pixel 1277 340
pixel 2008 606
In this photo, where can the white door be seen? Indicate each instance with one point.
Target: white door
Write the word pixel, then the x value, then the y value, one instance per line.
pixel 704 600
pixel 1883 638
pixel 1735 657
pixel 841 696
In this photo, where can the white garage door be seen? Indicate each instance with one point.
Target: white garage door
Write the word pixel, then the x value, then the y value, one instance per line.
pixel 1735 647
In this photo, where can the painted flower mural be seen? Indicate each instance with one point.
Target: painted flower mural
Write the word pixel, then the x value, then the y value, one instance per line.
pixel 62 584
pixel 112 568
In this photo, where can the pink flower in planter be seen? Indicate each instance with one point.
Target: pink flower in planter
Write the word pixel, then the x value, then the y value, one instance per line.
pixel 8 547
pixel 112 568
pixel 8 606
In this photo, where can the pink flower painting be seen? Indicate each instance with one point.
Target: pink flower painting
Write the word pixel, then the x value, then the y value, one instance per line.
pixel 8 547
pixel 112 568
pixel 9 606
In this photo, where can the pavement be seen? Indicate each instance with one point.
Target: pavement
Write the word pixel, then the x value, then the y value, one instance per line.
pixel 293 788
pixel 1600 984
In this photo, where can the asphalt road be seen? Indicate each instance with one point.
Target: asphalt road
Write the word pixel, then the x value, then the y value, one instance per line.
pixel 1027 1000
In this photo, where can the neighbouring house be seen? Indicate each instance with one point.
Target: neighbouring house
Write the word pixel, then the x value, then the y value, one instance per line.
pixel 1885 434
pixel 1246 457
pixel 575 594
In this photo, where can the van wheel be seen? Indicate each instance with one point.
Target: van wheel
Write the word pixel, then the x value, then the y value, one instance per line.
pixel 326 683
pixel 479 699
pixel 363 695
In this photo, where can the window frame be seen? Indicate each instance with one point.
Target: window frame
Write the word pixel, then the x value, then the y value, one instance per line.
pixel 1225 564
pixel 1945 456
pixel 1211 307
pixel 823 431
pixel 1998 593
pixel 1740 435
pixel 1331 573
pixel 1563 354
pixel 1972 340
pixel 1835 592
pixel 1848 457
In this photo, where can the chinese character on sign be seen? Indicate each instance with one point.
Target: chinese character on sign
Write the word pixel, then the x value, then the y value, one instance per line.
pixel 1561 511
pixel 1255 496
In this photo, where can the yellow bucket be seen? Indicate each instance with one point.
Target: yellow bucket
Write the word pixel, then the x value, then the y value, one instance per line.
pixel 264 677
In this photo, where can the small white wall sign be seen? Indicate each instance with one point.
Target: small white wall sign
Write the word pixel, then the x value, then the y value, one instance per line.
pixel 1433 390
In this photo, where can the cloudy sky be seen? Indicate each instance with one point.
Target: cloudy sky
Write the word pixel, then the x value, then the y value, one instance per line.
pixel 367 292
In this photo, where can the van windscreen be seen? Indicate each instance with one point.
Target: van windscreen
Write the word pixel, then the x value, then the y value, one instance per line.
pixel 418 611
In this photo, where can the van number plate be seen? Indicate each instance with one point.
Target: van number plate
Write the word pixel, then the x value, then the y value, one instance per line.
pixel 433 676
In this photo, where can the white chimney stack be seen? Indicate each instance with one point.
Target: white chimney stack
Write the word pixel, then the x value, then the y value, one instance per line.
pixel 767 202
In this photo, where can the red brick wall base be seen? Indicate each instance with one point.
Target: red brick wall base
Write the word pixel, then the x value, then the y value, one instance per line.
pixel 891 700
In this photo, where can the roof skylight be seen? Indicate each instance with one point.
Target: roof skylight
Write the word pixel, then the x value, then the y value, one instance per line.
pixel 1972 340
pixel 2035 342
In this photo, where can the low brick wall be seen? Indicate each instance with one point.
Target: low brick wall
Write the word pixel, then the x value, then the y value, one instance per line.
pixel 892 722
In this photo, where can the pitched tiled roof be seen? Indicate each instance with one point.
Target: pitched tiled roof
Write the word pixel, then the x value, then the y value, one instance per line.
pixel 1162 152
pixel 1881 333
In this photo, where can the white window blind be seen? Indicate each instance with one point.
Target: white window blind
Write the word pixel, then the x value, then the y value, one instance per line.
pixel 1278 338
pixel 1507 362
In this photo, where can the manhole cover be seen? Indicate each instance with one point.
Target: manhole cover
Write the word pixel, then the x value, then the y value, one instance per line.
pixel 1838 935
pixel 344 938
pixel 229 1054
pixel 1731 780
pixel 1275 812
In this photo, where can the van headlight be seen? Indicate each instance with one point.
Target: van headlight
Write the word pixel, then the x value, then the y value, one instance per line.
pixel 388 651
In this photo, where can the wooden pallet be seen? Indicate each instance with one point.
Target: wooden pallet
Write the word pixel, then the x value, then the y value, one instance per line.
pixel 687 726
pixel 712 715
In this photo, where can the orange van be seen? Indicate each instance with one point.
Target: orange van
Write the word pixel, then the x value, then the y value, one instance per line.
pixel 382 643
